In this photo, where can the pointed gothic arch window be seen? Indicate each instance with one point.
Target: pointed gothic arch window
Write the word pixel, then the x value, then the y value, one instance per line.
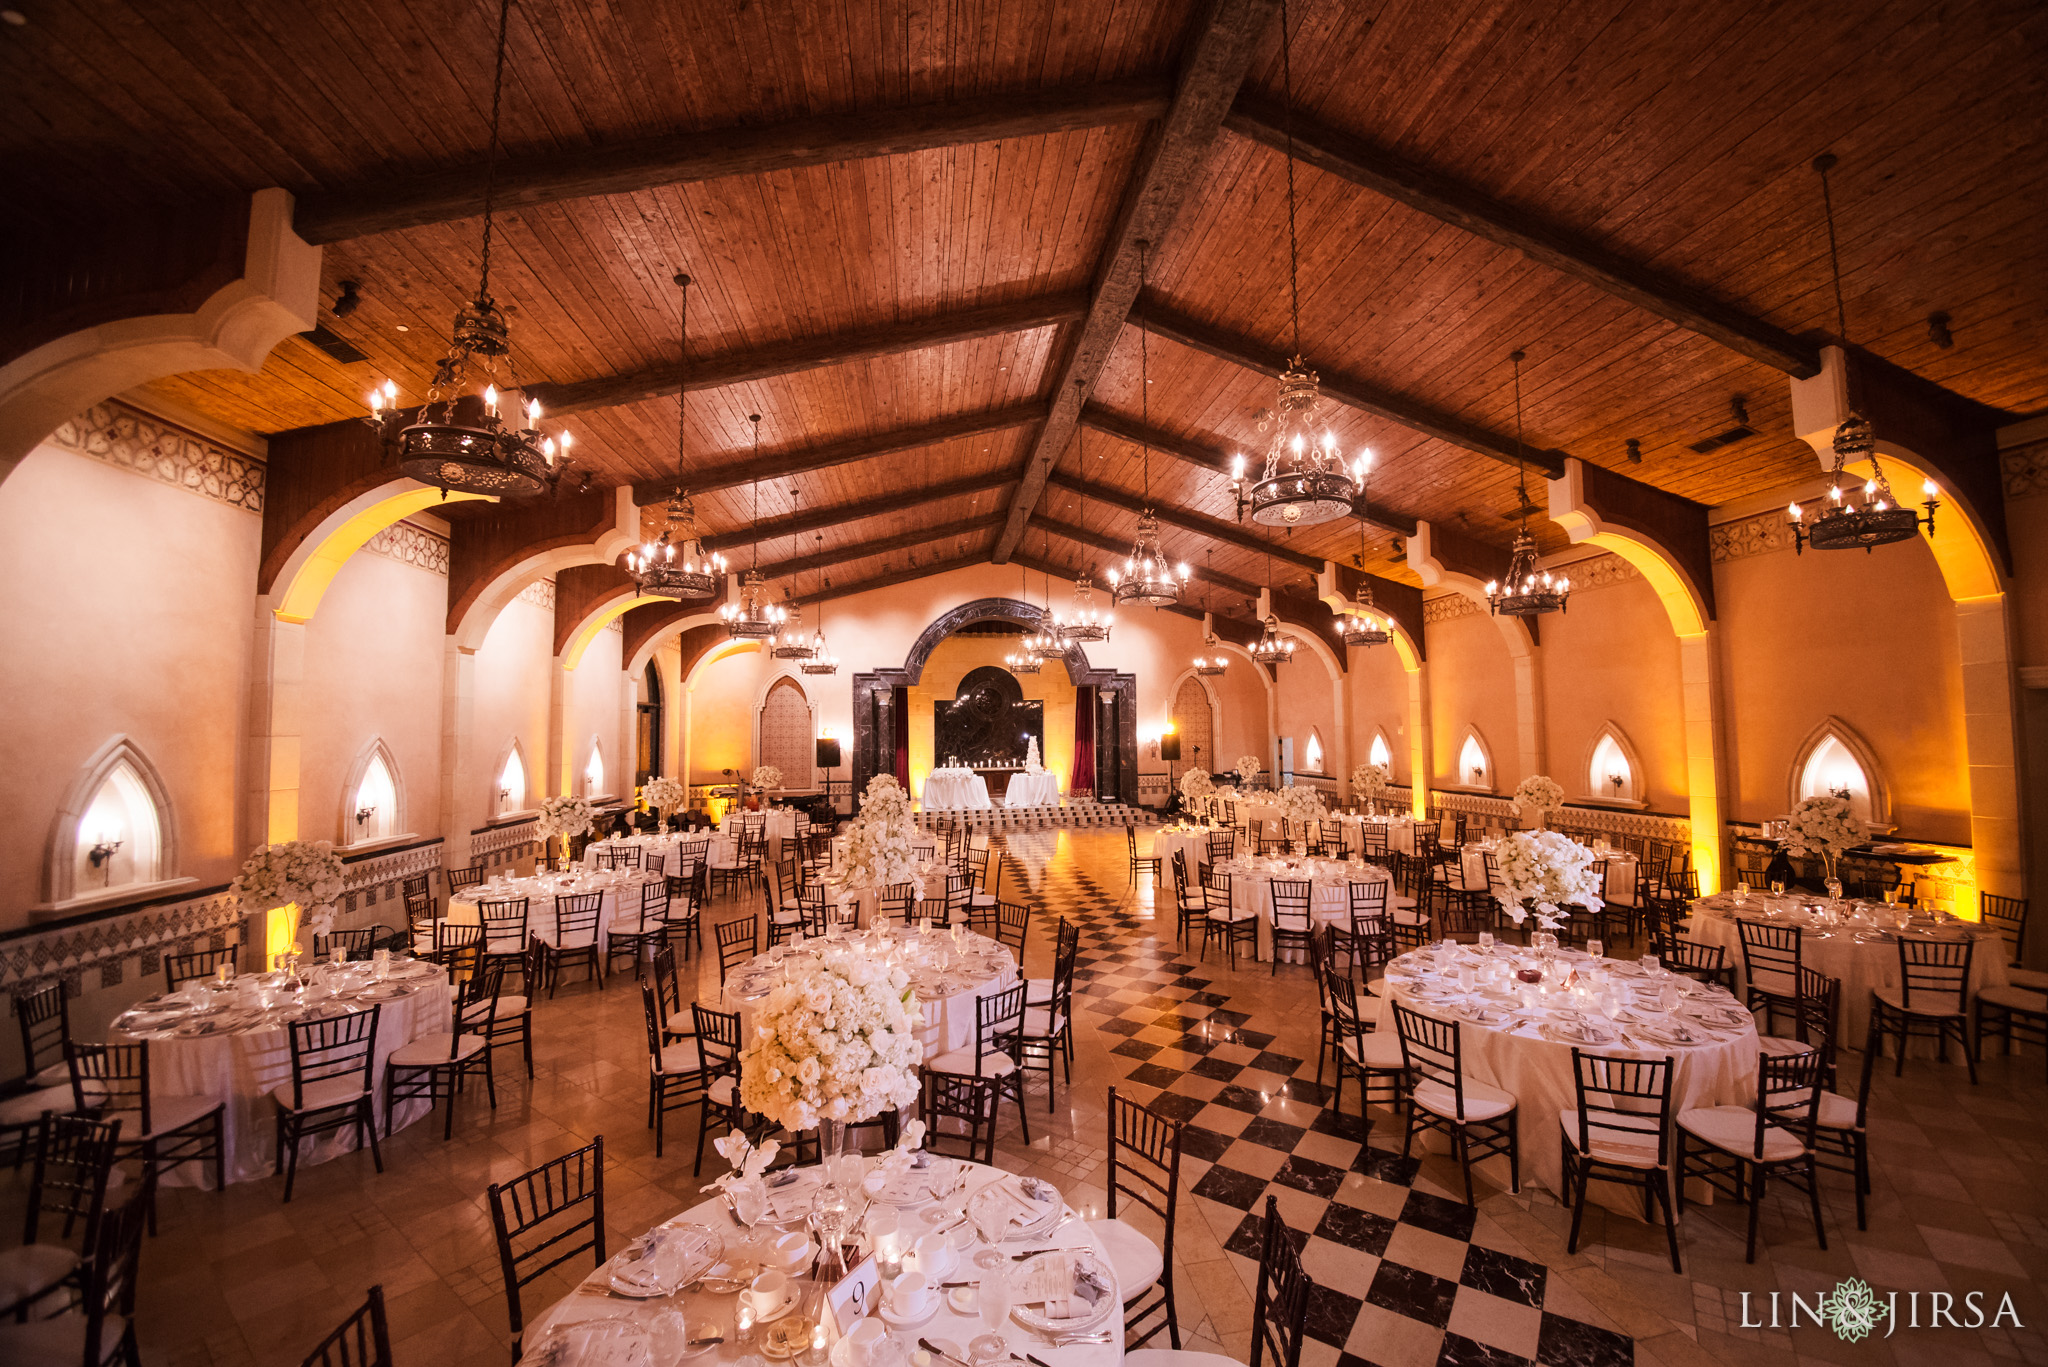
pixel 1312 753
pixel 1475 761
pixel 374 809
pixel 1379 752
pixel 114 831
pixel 593 770
pixel 1836 760
pixel 1613 771
pixel 511 793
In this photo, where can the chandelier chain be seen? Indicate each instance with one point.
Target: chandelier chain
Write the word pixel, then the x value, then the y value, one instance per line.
pixel 1824 163
pixel 1521 470
pixel 483 286
pixel 1145 380
pixel 1287 125
pixel 682 376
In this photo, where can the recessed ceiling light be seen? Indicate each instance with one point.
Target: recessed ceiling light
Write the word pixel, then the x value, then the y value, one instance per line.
pixel 403 328
pixel 13 16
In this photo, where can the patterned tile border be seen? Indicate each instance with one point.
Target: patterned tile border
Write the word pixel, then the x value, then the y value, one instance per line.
pixel 2025 469
pixel 540 593
pixel 411 545
pixel 131 440
pixel 1758 535
pixel 104 946
pixel 504 844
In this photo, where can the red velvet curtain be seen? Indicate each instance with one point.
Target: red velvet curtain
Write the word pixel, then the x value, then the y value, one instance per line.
pixel 1083 779
pixel 899 711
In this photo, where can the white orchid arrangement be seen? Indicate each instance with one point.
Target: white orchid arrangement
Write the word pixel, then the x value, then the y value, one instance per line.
pixel 748 1162
pixel 1823 826
pixel 767 776
pixel 1538 793
pixel 1195 785
pixel 839 1043
pixel 1248 767
pixel 1300 804
pixel 566 815
pixel 1546 871
pixel 900 1159
pixel 665 794
pixel 1370 780
pixel 304 872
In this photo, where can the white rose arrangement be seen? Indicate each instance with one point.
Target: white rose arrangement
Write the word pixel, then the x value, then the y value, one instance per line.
pixel 1823 826
pixel 1538 794
pixel 1370 781
pixel 767 776
pixel 838 1043
pixel 569 815
pixel 1300 805
pixel 665 795
pixel 1548 871
pixel 1194 786
pixel 879 840
pixel 1248 767
pixel 304 872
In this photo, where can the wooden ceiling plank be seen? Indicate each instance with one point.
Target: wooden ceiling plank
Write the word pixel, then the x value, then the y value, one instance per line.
pixel 1221 532
pixel 527 180
pixel 860 550
pixel 1213 67
pixel 1557 247
pixel 841 514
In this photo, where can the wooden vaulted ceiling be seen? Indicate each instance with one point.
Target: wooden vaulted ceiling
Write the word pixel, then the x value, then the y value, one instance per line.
pixel 910 222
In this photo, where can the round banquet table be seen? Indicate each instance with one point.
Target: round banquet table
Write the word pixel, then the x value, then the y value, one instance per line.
pixel 1192 841
pixel 1041 789
pixel 1252 876
pixel 1863 956
pixel 979 966
pixel 954 789
pixel 668 848
pixel 618 886
pixel 1621 869
pixel 706 1313
pixel 1521 1056
pixel 241 1065
pixel 777 824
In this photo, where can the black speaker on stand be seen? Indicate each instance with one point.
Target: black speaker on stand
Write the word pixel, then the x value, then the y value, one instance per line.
pixel 1169 750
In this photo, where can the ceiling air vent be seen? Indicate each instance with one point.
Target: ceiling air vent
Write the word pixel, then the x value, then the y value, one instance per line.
pixel 1741 431
pixel 334 346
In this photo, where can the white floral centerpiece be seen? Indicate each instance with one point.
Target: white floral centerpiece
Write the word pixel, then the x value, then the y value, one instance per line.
pixel 1370 781
pixel 1826 827
pixel 1547 871
pixel 838 1042
pixel 1300 805
pixel 879 840
pixel 303 873
pixel 767 776
pixel 567 816
pixel 1248 767
pixel 665 796
pixel 1538 796
pixel 1195 786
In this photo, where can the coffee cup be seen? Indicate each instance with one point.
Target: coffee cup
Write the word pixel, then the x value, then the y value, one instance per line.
pixel 911 1294
pixel 932 1252
pixel 768 1291
pixel 864 1339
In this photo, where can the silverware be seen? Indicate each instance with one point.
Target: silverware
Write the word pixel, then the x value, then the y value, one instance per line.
pixel 1033 1253
pixel 1070 1339
pixel 938 1352
pixel 708 1341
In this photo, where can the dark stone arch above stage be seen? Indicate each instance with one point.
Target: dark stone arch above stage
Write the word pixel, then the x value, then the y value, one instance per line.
pixel 1027 615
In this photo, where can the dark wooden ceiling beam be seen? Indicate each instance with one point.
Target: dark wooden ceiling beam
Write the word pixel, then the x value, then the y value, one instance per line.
pixel 1203 458
pixel 526 180
pixel 808 353
pixel 1215 529
pixel 818 519
pixel 1407 182
pixel 782 465
pixel 881 545
pixel 1161 321
pixel 1213 66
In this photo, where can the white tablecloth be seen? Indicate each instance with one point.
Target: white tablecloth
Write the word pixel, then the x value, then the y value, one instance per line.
pixel 701 1310
pixel 1861 965
pixel 1041 789
pixel 1538 1070
pixel 242 1068
pixel 955 789
pixel 667 847
pixel 948 1002
pixel 622 899
pixel 1329 904
pixel 777 824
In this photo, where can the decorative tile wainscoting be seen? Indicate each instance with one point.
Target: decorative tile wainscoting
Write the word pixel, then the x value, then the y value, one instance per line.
pixel 506 844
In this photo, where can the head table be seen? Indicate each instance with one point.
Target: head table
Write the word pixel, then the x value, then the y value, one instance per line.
pixel 231 1043
pixel 1520 1037
pixel 955 790
pixel 701 1289
pixel 951 970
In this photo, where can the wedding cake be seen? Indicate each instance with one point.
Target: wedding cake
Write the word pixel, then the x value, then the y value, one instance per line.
pixel 1031 761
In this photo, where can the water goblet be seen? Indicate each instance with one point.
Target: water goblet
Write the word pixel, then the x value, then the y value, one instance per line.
pixel 1486 942
pixel 1596 948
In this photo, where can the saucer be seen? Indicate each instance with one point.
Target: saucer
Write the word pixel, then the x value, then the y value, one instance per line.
pixel 941 1267
pixel 961 1298
pixel 895 1320
pixel 788 1303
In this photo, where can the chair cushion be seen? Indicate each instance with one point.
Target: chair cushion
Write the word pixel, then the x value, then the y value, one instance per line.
pixel 1037 991
pixel 1170 1357
pixel 2031 979
pixel 1781 1046
pixel 428 1050
pixel 1635 1147
pixel 1836 1112
pixel 510 1007
pixel 681 1057
pixel 1926 1004
pixel 961 1062
pixel 1732 1129
pixel 1136 1260
pixel 167 1113
pixel 61 1340
pixel 722 1090
pixel 1036 1026
pixel 1381 1052
pixel 27 1108
pixel 57 1074
pixel 2016 998
pixel 329 1091
pixel 1482 1101
pixel 1233 916
pixel 32 1269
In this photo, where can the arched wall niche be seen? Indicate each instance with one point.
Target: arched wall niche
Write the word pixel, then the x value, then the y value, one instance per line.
pixel 373 782
pixel 511 783
pixel 1196 718
pixel 118 796
pixel 1475 754
pixel 1833 757
pixel 1381 752
pixel 784 723
pixel 1612 754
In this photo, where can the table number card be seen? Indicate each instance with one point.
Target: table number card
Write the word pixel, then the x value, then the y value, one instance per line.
pixel 854 1295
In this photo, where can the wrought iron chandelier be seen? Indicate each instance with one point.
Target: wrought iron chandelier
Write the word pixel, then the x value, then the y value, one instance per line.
pixel 821 660
pixel 1304 481
pixel 457 441
pixel 1272 648
pixel 1024 660
pixel 1209 665
pixel 1363 625
pixel 675 565
pixel 1527 591
pixel 1084 623
pixel 1146 577
pixel 789 642
pixel 1043 643
pixel 1880 519
pixel 753 618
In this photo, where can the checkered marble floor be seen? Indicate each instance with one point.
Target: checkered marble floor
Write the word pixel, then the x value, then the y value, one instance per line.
pixel 1406 1275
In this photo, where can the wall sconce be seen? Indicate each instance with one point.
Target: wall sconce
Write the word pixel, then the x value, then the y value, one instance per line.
pixel 1478 776
pixel 102 850
pixel 365 813
pixel 504 797
pixel 1618 780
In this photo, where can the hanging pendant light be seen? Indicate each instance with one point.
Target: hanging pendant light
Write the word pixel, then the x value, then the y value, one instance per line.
pixel 457 441
pixel 1304 481
pixel 1083 622
pixel 1146 577
pixel 821 660
pixel 674 565
pixel 753 618
pixel 1527 591
pixel 1211 663
pixel 1363 625
pixel 1272 648
pixel 1044 643
pixel 1024 660
pixel 789 641
pixel 1842 523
